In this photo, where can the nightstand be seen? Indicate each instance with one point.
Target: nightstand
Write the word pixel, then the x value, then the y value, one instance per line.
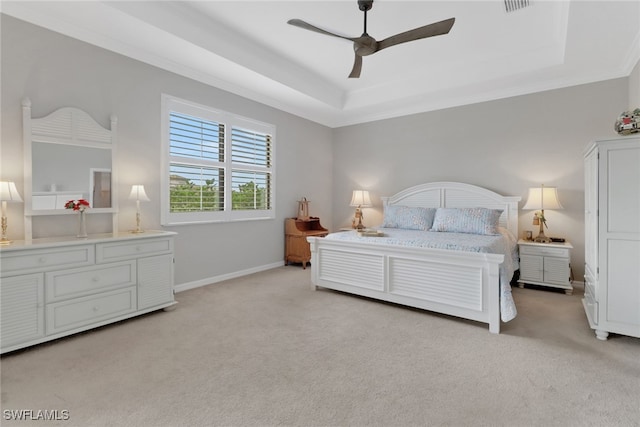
pixel 296 247
pixel 545 264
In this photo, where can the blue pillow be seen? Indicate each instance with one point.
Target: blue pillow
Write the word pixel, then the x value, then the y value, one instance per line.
pixel 407 217
pixel 467 220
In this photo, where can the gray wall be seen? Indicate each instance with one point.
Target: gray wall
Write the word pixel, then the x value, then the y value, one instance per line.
pixel 56 71
pixel 506 145
pixel 634 88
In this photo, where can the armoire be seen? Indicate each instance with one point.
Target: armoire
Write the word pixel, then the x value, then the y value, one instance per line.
pixel 612 236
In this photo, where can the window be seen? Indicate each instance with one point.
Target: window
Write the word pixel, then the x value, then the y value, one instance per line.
pixel 218 166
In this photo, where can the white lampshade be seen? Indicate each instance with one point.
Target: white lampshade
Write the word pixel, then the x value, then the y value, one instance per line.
pixel 543 198
pixel 360 198
pixel 9 192
pixel 138 193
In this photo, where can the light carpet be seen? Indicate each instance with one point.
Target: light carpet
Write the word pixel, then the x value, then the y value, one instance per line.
pixel 266 350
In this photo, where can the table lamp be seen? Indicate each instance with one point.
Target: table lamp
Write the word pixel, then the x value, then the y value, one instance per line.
pixel 360 199
pixel 542 198
pixel 8 194
pixel 139 195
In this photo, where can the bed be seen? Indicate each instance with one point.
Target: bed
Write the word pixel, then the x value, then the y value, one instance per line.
pixel 464 274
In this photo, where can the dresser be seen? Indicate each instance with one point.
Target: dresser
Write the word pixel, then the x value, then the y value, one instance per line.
pixel 612 236
pixel 545 264
pixel 296 246
pixel 50 288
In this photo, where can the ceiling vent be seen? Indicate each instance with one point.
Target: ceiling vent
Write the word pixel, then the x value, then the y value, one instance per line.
pixel 513 5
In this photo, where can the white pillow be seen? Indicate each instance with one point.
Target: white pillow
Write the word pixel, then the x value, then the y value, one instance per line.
pixel 407 217
pixel 467 220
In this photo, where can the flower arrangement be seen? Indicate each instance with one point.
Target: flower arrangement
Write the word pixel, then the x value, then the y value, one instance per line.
pixel 77 205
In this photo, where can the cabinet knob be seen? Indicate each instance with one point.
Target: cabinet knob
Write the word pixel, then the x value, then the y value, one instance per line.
pixel 95 279
pixel 96 309
pixel 42 260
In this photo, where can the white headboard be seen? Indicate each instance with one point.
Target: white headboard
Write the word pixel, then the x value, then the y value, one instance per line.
pixel 458 195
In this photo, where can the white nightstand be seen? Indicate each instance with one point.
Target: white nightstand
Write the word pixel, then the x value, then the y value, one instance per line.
pixel 545 264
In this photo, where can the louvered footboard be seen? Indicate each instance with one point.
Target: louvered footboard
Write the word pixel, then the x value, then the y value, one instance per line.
pixel 462 284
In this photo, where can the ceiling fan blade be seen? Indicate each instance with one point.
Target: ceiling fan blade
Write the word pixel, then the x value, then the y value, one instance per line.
pixel 435 29
pixel 357 67
pixel 300 23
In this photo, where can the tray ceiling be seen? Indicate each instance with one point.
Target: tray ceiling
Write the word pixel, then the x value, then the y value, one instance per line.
pixel 246 47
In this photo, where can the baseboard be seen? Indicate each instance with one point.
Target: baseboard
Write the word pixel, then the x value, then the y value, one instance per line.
pixel 215 279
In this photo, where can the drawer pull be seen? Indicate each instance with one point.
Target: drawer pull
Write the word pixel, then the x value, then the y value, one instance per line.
pixel 96 309
pixel 42 260
pixel 95 279
pixel 138 248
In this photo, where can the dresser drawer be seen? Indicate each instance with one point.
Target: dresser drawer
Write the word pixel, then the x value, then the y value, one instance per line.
pixel 80 312
pixel 117 251
pixel 45 259
pixel 544 251
pixel 65 284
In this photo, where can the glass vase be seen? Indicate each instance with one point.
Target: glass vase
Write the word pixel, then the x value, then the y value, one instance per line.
pixel 82 224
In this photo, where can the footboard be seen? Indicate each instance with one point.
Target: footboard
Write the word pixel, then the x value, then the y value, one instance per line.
pixel 462 284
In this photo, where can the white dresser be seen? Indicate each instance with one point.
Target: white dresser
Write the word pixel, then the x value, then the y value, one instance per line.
pixel 612 236
pixel 50 288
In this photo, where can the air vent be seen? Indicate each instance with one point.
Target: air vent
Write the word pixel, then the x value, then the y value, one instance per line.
pixel 513 5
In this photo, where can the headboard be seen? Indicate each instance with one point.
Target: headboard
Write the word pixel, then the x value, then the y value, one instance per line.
pixel 458 195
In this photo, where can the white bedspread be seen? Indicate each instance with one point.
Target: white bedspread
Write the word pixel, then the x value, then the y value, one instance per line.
pixel 505 244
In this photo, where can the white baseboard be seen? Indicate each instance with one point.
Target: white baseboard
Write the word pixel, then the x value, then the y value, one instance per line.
pixel 211 280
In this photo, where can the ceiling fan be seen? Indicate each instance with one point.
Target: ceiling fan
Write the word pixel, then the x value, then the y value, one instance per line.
pixel 367 45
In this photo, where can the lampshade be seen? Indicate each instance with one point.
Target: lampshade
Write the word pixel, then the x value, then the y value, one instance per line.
pixel 543 198
pixel 138 193
pixel 9 192
pixel 360 198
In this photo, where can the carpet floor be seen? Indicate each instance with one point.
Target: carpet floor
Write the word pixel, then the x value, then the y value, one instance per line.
pixel 266 350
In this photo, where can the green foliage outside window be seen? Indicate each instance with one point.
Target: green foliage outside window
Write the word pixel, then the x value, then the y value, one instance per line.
pixel 189 197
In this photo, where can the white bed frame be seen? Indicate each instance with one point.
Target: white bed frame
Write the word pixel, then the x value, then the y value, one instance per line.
pixel 463 284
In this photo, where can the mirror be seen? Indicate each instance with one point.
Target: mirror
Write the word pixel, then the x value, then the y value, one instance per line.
pixel 68 155
pixel 70 172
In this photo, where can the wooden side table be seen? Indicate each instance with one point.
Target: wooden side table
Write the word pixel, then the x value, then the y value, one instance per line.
pixel 296 233
pixel 545 264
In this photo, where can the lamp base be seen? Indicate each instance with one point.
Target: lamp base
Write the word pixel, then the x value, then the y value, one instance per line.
pixel 541 238
pixel 4 241
pixel 138 229
pixel 358 216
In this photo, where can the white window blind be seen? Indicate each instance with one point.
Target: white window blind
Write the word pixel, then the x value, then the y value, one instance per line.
pixel 249 186
pixel 218 166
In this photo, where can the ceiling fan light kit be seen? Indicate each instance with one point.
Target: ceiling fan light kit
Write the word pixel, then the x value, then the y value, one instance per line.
pixel 367 45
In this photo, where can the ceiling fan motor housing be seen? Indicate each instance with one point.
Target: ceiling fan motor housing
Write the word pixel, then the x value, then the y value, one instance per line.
pixel 365 5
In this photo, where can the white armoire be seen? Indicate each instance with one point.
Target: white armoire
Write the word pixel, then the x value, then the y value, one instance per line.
pixel 612 236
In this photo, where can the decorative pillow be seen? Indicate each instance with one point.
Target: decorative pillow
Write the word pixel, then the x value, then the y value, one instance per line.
pixel 410 218
pixel 467 220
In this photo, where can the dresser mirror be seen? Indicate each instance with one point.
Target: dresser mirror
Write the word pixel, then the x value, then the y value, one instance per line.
pixel 67 156
pixel 68 172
